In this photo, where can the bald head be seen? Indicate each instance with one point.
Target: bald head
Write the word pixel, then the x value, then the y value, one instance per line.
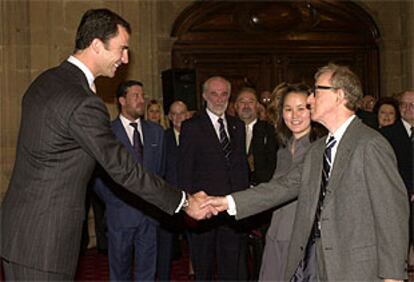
pixel 177 114
pixel 407 106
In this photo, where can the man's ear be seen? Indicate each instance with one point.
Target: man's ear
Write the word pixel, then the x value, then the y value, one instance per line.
pixel 121 100
pixel 341 95
pixel 97 45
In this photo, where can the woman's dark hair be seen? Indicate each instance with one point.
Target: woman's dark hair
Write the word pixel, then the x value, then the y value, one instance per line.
pixel 388 101
pixel 283 133
pixel 98 23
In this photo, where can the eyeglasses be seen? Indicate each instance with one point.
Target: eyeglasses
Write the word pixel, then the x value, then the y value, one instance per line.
pixel 323 87
pixel 406 105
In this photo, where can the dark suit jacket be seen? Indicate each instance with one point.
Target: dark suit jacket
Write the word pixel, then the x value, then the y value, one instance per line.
pixel 364 232
pixel 171 157
pixel 397 135
pixel 264 149
pixel 64 130
pixel 124 209
pixel 202 164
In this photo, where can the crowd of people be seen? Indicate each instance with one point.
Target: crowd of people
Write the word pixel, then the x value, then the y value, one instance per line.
pixel 294 184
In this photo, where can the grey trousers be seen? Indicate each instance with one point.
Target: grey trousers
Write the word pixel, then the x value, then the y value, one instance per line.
pixel 17 272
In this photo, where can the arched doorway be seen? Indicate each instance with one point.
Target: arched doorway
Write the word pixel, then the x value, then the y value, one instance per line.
pixel 266 42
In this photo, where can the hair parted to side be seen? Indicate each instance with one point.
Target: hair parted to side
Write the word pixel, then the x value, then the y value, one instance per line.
pixel 342 77
pixel 122 90
pixel 207 82
pixel 98 23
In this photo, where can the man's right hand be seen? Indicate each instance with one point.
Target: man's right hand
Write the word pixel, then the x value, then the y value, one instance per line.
pixel 220 204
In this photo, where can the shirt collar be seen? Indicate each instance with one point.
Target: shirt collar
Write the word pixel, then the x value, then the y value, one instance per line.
pixel 407 126
pixel 83 68
pixel 341 130
pixel 126 122
pixel 214 118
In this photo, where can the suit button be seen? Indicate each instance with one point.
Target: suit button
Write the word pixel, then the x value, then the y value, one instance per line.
pixel 301 248
pixel 328 249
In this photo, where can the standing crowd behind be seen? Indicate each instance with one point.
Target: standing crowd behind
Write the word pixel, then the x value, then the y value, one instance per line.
pixel 269 134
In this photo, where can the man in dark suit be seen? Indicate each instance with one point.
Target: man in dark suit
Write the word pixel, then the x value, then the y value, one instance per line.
pixel 131 227
pixel 213 155
pixel 170 227
pixel 351 222
pixel 64 131
pixel 261 149
pixel 401 137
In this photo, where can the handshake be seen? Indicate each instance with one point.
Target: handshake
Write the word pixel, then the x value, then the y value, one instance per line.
pixel 202 206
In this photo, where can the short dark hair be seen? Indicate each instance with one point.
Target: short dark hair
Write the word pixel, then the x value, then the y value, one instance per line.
pixel 123 87
pixel 98 23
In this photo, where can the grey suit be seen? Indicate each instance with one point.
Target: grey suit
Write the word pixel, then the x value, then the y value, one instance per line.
pixel 64 130
pixel 280 230
pixel 364 232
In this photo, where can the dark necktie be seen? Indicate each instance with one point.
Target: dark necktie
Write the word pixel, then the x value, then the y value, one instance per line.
pixel 412 134
pixel 137 144
pixel 327 164
pixel 224 140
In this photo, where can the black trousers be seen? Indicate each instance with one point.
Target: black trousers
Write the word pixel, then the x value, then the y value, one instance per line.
pixel 17 272
pixel 218 244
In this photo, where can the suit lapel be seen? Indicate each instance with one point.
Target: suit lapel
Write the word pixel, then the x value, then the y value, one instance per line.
pixel 343 155
pixel 79 76
pixel 208 127
pixel 122 136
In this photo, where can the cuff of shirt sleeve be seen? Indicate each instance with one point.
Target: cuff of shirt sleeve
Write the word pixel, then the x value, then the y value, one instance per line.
pixel 231 210
pixel 183 197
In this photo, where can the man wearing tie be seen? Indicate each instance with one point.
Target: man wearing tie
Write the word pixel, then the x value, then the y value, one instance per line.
pixel 131 229
pixel 351 222
pixel 213 157
pixel 261 149
pixel 401 137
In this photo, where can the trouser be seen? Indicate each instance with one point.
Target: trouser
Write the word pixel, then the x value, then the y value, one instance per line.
pixel 311 268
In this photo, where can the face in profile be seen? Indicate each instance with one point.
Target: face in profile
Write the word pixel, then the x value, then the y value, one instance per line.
pixel 154 113
pixel 217 96
pixel 114 53
pixel 296 115
pixel 323 103
pixel 386 115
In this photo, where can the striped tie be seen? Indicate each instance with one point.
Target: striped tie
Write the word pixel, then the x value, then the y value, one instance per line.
pixel 224 140
pixel 326 171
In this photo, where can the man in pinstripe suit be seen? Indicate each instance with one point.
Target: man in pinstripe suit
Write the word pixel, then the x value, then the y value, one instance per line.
pixel 64 131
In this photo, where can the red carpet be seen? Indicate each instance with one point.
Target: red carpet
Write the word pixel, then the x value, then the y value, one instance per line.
pixel 93 266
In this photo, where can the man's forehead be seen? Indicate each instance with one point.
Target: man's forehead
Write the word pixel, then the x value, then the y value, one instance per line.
pixel 246 96
pixel 408 95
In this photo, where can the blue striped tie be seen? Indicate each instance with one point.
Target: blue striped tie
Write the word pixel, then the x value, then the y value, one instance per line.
pixel 224 140
pixel 326 171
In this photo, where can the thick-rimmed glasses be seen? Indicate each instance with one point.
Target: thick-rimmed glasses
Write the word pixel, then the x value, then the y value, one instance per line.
pixel 323 87
pixel 406 105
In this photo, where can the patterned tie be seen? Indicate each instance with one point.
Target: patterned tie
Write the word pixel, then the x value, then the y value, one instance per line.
pixel 326 171
pixel 249 135
pixel 137 144
pixel 224 140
